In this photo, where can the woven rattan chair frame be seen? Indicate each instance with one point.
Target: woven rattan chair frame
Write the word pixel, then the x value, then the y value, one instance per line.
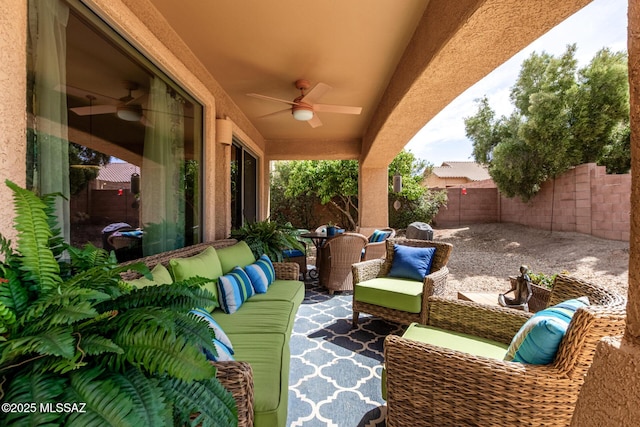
pixel 338 255
pixel 374 250
pixel 235 376
pixel 433 386
pixel 433 284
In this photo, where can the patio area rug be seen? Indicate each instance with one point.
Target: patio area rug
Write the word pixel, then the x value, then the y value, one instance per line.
pixel 335 370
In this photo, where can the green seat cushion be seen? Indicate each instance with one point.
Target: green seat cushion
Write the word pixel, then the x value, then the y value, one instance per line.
pixel 266 353
pixel 282 290
pixel 456 341
pixel 390 292
pixel 237 255
pixel 160 274
pixel 255 316
pixel 205 264
pixel 451 340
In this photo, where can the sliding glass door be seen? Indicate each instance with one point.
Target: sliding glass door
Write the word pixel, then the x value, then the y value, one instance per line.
pixel 112 133
pixel 244 186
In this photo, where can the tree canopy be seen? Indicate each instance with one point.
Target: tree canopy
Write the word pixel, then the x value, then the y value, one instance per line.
pixel 563 116
pixel 297 185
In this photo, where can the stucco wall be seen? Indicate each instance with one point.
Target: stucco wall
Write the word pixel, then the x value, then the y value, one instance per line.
pixel 13 19
pixel 585 199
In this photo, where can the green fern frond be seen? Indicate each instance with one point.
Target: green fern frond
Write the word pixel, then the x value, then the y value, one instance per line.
pixel 181 296
pixel 7 319
pixel 13 294
pixel 55 342
pixel 105 404
pixel 63 306
pixel 94 344
pixel 5 248
pixel 159 351
pixel 38 263
pixel 147 396
pixel 145 318
pixel 61 365
pixel 197 330
pixel 56 241
pixel 32 385
pixel 213 402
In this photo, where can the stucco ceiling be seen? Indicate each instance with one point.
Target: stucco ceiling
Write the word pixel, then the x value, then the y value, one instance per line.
pixel 265 46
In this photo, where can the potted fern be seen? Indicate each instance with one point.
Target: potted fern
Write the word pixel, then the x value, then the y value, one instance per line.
pixel 79 347
pixel 269 237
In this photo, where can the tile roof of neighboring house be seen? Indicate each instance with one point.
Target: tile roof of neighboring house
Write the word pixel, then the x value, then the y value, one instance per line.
pixel 117 172
pixel 470 170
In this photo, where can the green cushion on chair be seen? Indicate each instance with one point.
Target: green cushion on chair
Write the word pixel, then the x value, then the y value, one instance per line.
pixel 391 292
pixel 237 255
pixel 453 341
pixel 456 341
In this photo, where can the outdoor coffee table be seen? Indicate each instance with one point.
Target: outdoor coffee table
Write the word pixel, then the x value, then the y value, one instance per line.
pixel 487 298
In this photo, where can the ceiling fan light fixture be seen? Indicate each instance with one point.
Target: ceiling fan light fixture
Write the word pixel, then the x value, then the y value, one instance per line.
pixel 130 113
pixel 302 113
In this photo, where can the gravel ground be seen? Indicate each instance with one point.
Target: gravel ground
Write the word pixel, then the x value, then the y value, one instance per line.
pixel 485 255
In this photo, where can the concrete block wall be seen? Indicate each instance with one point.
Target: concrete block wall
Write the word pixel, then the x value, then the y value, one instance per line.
pixel 584 199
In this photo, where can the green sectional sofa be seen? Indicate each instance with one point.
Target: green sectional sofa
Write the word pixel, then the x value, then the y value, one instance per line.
pixel 259 330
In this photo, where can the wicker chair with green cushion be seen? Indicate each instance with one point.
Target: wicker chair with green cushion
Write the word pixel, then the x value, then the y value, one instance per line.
pixel 380 292
pixel 439 383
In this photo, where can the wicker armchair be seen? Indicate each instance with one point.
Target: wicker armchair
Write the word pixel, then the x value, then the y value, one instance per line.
pixel 338 254
pixel 373 250
pixel 433 284
pixel 434 386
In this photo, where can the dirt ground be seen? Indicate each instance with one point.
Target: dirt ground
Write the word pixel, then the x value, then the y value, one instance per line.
pixel 485 255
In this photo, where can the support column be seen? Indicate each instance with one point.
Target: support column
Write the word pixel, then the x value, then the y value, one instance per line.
pixel 610 394
pixel 373 205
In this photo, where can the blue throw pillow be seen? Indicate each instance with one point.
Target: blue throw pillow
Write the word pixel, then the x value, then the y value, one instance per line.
pixel 221 337
pixel 234 289
pixel 379 236
pixel 261 273
pixel 538 339
pixel 224 355
pixel 410 262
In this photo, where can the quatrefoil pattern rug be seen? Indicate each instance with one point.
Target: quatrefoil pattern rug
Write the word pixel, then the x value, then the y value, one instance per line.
pixel 335 370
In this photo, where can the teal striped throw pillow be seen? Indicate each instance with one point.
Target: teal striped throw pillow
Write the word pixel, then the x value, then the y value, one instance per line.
pixel 234 289
pixel 538 339
pixel 261 273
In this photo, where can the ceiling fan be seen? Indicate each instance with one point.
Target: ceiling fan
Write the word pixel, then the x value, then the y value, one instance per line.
pixel 305 106
pixel 126 108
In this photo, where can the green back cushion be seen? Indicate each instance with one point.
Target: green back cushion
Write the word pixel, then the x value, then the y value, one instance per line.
pixel 206 264
pixel 237 255
pixel 160 274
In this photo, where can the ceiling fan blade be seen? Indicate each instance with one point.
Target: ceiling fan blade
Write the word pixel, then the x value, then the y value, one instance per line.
pixel 316 93
pixel 94 109
pixel 315 121
pixel 341 109
pixel 142 99
pixel 275 113
pixel 268 98
pixel 82 93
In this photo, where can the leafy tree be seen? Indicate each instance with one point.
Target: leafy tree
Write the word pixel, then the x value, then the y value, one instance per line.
pixel 562 117
pixel 80 156
pixel 297 186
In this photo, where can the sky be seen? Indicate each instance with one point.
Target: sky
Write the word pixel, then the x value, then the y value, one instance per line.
pixel 602 23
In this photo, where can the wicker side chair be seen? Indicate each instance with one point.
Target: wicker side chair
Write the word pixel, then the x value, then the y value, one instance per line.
pixel 338 255
pixel 433 284
pixel 429 385
pixel 373 250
